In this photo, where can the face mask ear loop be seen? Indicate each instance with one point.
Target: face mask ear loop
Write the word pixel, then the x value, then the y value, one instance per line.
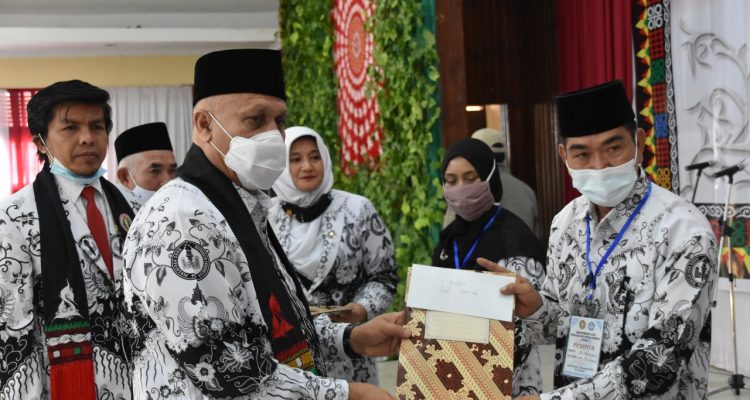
pixel 494 164
pixel 635 156
pixel 217 149
pixel 491 171
pixel 131 177
pixel 220 125
pixel 46 148
pixel 223 130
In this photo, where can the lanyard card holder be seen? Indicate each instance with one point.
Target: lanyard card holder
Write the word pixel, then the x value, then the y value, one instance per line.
pixel 583 347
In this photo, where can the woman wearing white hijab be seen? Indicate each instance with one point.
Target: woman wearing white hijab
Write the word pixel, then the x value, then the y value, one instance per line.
pixel 336 240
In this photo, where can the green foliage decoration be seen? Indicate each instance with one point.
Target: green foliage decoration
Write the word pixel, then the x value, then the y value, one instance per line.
pixel 307 54
pixel 403 183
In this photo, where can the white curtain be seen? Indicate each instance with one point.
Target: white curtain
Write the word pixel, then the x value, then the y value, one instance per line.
pixel 4 145
pixel 711 66
pixel 132 106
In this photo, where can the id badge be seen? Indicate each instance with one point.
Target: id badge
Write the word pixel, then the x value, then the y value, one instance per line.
pixel 584 347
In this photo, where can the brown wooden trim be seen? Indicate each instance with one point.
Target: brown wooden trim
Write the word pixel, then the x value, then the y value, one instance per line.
pixel 550 183
pixel 449 27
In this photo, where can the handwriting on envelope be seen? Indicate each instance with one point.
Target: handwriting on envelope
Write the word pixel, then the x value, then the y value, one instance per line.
pixel 460 292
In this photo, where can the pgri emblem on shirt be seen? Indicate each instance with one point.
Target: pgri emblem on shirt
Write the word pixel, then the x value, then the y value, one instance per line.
pixel 190 261
pixel 696 271
pixel 125 222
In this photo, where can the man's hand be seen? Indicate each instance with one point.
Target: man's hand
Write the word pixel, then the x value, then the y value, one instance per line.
pixel 357 314
pixel 380 336
pixel 366 391
pixel 528 300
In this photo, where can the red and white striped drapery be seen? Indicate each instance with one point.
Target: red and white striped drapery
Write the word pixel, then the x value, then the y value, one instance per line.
pixel 18 156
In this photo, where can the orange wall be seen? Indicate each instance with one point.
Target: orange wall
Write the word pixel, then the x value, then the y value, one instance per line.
pixel 100 71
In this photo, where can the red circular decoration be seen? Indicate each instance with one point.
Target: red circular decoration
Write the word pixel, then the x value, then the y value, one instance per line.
pixel 352 54
pixel 356 49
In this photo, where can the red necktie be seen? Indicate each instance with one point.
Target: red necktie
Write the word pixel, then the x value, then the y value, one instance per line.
pixel 97 227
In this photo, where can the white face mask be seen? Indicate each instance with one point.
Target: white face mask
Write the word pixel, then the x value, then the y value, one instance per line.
pixel 606 187
pixel 257 161
pixel 142 194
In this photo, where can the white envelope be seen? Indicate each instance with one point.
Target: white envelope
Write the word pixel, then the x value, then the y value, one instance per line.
pixel 460 292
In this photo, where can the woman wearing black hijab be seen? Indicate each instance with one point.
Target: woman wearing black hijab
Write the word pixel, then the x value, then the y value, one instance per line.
pixel 482 228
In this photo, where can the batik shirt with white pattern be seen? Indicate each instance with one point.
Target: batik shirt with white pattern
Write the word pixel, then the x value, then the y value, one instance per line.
pixel 653 293
pixel 24 362
pixel 202 334
pixel 357 264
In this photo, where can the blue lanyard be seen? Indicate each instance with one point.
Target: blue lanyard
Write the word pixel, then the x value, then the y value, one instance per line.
pixel 474 246
pixel 593 275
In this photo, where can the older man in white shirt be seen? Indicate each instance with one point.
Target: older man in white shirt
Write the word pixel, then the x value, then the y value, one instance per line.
pixel 217 306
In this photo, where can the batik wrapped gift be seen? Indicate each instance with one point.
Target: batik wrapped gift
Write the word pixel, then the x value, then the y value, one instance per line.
pixel 451 369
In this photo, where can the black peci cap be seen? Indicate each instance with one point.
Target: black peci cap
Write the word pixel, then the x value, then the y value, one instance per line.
pixel 594 110
pixel 239 71
pixel 153 136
